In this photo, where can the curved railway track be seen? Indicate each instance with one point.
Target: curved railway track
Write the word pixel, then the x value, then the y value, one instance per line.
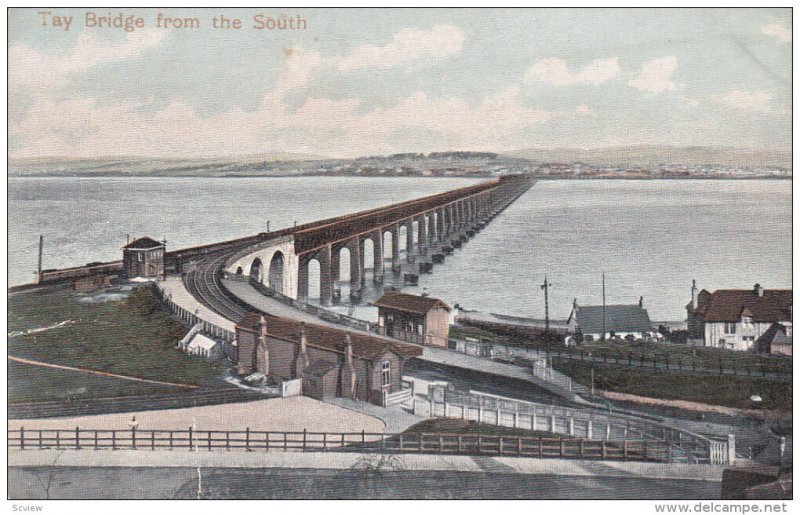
pixel 203 282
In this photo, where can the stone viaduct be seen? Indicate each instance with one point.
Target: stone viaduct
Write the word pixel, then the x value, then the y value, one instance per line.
pixel 414 234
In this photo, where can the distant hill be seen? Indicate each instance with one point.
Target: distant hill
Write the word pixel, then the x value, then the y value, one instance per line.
pixel 654 155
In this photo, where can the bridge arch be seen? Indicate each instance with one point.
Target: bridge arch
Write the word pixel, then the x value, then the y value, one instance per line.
pixel 314 279
pixel 256 270
pixel 275 274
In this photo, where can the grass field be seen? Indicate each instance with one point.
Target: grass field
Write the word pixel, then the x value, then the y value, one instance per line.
pixel 674 353
pixel 718 390
pixel 118 333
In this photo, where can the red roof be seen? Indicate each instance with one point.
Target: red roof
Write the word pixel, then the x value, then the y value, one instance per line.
pixel 730 305
pixel 415 304
pixel 328 338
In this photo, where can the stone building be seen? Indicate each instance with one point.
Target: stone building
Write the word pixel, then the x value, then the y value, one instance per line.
pixel 737 319
pixel 331 362
pixel 143 257
pixel 413 318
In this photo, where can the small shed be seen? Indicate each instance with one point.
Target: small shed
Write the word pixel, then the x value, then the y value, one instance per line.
pixel 319 379
pixel 202 345
pixel 143 257
pixel 414 318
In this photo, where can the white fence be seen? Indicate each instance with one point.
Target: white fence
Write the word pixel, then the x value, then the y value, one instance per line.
pixel 579 423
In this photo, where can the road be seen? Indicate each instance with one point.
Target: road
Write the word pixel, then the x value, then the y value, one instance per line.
pixel 278 483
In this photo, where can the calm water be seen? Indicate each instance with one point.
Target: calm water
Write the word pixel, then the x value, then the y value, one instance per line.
pixel 650 237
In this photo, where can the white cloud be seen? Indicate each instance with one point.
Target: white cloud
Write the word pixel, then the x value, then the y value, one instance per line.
pixel 656 76
pixel 779 31
pixel 583 109
pixel 755 101
pixel 34 70
pixel 556 71
pixel 407 46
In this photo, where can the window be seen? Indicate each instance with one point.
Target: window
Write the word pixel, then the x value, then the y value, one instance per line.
pixel 730 328
pixel 747 321
pixel 386 374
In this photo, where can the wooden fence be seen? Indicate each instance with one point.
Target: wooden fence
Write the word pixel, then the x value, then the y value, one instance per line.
pixel 306 441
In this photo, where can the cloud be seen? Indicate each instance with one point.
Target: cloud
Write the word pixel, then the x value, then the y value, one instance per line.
pixel 555 71
pixel 407 46
pixel 656 76
pixel 34 70
pixel 583 109
pixel 754 101
pixel 779 31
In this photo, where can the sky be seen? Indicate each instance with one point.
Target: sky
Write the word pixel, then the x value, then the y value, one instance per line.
pixel 354 82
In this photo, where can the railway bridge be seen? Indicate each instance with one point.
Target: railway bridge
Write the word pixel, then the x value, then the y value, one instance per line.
pixel 414 234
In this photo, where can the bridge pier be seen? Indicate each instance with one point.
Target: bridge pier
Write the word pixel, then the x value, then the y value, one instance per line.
pixel 377 256
pixel 325 278
pixel 356 270
pixel 302 280
pixel 395 246
pixel 422 234
pixel 410 240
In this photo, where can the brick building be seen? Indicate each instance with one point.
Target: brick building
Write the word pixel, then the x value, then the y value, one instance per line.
pixel 331 362
pixel 143 257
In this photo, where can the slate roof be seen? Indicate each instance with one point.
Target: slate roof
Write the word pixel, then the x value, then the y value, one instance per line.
pixel 620 318
pixel 408 303
pixel 729 305
pixel 328 338
pixel 143 243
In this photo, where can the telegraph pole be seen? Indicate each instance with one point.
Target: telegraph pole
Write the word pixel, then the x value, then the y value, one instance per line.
pixel 41 248
pixel 604 306
pixel 545 287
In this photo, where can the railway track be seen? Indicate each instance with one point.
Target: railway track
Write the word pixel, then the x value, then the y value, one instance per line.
pixel 203 283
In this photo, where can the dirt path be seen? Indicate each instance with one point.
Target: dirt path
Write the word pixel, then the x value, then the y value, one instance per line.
pixel 97 372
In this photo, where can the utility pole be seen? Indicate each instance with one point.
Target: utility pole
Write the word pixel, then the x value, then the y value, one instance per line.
pixel 604 307
pixel 41 248
pixel 545 287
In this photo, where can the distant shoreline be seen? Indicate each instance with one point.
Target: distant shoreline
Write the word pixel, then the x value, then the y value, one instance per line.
pixel 419 176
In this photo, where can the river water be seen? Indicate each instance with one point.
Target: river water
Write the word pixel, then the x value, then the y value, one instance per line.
pixel 651 237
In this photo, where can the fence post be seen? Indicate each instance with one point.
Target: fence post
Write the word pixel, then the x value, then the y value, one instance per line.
pixel 227 440
pixel 170 440
pixel 95 439
pixel 571 426
pixel 152 439
pixel 401 441
pixel 625 448
pixel 479 445
pixel 113 440
pixel 589 430
pixel 580 448
pixel 363 439
pixel 732 450
pixel 305 436
pixel 190 438
pixel 247 439
pixel 208 437
pixel 459 444
pixel 441 444
pixel 603 448
pixel 40 438
pixel 21 437
pixel 519 446
pixel 552 423
pixel 561 448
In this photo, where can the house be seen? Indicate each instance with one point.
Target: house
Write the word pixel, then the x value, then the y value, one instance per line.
pixel 413 318
pixel 331 362
pixel 143 257
pixel 616 320
pixel 737 319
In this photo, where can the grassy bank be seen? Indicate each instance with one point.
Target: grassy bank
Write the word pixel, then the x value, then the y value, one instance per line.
pixel 470 427
pixel 718 390
pixel 110 332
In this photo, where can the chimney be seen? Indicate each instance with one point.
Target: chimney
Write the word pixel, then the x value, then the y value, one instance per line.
pixel 694 295
pixel 641 302
pixel 758 290
pixel 348 350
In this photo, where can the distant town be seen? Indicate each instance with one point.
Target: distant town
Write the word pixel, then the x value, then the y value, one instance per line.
pixel 643 162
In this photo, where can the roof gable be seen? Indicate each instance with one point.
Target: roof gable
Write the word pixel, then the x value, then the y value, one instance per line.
pixel 143 244
pixel 408 303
